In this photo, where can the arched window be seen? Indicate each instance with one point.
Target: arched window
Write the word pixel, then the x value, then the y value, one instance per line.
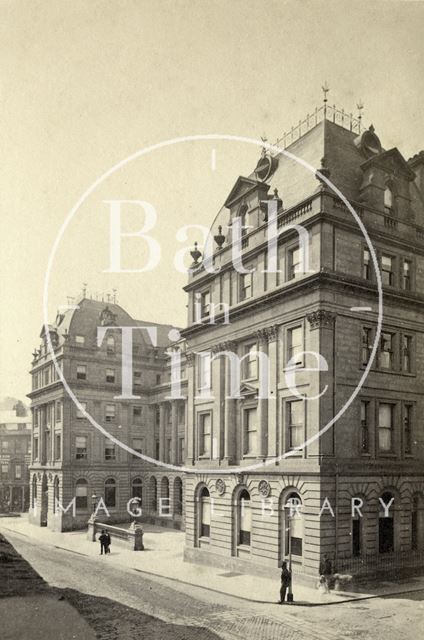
pixel 388 197
pixel 178 497
pixel 204 513
pixel 153 495
pixel 110 345
pixel 110 492
pixel 244 518
pixel 356 530
pixel 386 529
pixel 164 488
pixel 34 491
pixel 81 494
pixel 137 489
pixel 165 507
pixel 55 493
pixel 293 525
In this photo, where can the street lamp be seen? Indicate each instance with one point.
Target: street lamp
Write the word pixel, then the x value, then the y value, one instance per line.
pixel 93 503
pixel 290 597
pixel 292 503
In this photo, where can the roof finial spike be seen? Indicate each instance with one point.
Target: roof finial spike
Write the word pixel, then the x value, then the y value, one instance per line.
pixel 84 289
pixel 325 89
pixel 360 107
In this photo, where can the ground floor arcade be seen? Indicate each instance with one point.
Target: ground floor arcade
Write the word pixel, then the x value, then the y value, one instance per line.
pixel 251 523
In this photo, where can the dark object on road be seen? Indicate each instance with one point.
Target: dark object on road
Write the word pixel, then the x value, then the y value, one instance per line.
pixel 286 577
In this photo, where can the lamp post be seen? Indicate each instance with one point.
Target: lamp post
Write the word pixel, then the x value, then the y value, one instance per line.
pixel 290 596
pixel 289 506
pixel 93 503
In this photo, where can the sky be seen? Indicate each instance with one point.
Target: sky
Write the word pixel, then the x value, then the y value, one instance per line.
pixel 84 85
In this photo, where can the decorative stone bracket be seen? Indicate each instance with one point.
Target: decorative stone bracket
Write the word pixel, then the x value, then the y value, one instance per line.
pixel 321 319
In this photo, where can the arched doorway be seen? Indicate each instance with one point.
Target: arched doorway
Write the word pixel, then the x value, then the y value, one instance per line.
pixel 291 527
pixel 44 501
pixel 137 490
pixel 34 492
pixel 386 523
pixel 55 494
pixel 178 497
pixel 152 495
pixel 242 522
pixel 203 516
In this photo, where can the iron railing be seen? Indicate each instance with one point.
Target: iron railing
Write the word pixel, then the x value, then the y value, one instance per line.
pixel 325 112
pixel 381 562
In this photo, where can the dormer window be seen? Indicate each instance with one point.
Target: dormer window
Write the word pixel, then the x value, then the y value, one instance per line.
pixel 242 214
pixel 110 345
pixel 388 197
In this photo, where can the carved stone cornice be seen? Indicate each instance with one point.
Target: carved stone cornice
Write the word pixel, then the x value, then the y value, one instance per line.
pixel 267 334
pixel 321 319
pixel 227 345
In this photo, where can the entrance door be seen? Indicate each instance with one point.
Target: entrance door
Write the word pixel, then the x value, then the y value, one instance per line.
pixel 44 502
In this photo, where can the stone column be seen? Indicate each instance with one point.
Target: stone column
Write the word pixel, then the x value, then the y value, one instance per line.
pixel 272 439
pixel 218 392
pixel 41 434
pixel 190 426
pixel 162 428
pixel 321 324
pixel 174 432
pixel 230 422
pixel 263 374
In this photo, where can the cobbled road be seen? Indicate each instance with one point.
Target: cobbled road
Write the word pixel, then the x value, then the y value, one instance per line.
pixel 205 614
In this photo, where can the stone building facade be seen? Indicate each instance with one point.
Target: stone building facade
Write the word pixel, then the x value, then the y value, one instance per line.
pixel 15 447
pixel 267 475
pixel 257 492
pixel 72 460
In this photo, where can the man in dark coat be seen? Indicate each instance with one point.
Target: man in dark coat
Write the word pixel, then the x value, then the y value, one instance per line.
pixel 103 542
pixel 326 570
pixel 285 581
pixel 108 541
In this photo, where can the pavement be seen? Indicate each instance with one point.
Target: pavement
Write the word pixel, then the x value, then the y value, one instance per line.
pixel 163 558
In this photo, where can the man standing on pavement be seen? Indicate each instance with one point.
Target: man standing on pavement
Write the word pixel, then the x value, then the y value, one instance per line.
pixel 103 542
pixel 108 541
pixel 326 571
pixel 285 581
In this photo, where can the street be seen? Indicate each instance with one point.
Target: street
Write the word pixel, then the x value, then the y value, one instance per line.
pixel 200 609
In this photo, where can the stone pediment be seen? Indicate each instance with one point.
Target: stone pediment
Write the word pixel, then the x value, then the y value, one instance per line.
pixel 247 390
pixel 241 187
pixel 392 162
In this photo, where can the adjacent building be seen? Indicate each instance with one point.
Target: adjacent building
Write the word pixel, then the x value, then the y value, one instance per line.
pixel 15 447
pixel 71 458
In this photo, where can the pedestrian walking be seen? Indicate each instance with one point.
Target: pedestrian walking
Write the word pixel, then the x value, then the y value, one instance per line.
pixel 326 572
pixel 108 542
pixel 286 577
pixel 103 542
